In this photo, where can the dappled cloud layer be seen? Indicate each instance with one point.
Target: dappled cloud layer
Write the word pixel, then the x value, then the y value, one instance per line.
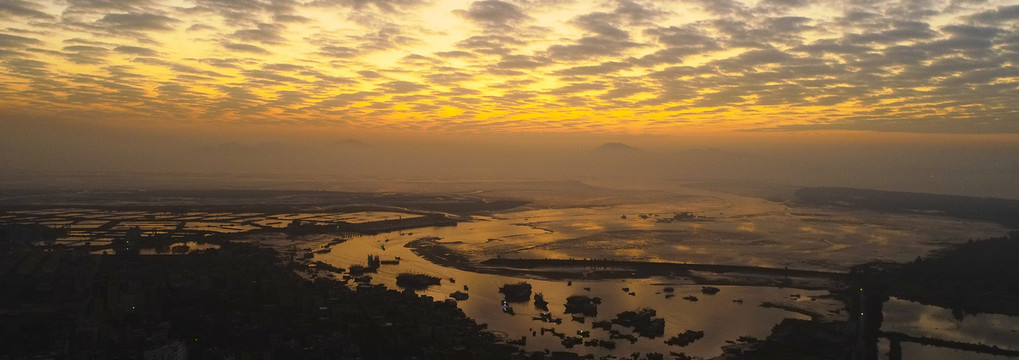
pixel 524 65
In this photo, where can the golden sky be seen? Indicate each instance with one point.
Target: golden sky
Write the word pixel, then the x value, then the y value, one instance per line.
pixel 638 67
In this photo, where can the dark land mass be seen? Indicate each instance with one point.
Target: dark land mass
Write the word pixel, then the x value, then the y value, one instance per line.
pixel 650 268
pixel 999 211
pixel 642 321
pixel 801 339
pixel 298 227
pixel 416 281
pixel 430 249
pixel 811 314
pixel 974 277
pixel 375 227
pixel 517 292
pixel 28 233
pixel 896 337
pixel 685 338
pixel 581 304
pixel 237 301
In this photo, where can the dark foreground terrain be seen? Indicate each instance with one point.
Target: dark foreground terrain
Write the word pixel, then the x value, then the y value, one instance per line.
pixel 234 301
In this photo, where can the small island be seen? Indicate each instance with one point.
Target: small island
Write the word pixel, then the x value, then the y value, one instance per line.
pixel 519 292
pixel 580 304
pixel 685 338
pixel 643 322
pixel 416 281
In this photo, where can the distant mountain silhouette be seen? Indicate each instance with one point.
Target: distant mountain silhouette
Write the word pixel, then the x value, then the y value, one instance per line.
pixel 616 149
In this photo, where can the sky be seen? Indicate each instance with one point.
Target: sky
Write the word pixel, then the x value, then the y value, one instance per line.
pixel 629 67
pixel 910 94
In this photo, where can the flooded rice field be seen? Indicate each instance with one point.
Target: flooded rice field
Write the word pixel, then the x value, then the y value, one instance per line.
pixel 99 227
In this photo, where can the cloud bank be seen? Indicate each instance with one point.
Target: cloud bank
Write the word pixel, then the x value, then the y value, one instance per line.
pixel 464 66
